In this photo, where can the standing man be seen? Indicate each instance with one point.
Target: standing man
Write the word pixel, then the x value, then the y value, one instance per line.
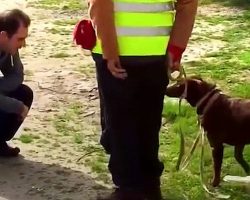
pixel 138 40
pixel 15 97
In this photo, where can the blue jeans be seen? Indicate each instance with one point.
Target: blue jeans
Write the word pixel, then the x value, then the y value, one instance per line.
pixel 131 119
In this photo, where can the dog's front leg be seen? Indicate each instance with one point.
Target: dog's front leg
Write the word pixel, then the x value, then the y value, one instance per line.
pixel 238 154
pixel 217 153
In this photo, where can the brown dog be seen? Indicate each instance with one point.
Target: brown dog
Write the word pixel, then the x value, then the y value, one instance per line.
pixel 224 119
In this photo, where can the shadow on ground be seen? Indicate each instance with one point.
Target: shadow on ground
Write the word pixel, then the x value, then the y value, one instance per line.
pixel 23 179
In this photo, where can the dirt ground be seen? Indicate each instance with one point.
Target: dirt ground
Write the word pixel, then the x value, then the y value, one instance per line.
pixel 47 171
pixel 44 172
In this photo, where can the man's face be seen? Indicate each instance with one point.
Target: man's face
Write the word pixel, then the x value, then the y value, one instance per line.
pixel 15 42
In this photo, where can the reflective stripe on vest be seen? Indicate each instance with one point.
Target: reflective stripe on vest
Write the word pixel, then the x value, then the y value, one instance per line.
pixel 143 31
pixel 143 27
pixel 143 7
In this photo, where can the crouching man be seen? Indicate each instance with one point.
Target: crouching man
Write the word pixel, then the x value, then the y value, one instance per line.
pixel 15 97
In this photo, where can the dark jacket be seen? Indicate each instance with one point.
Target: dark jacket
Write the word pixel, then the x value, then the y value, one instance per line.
pixel 12 77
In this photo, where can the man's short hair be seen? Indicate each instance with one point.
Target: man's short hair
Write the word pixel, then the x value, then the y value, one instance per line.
pixel 11 20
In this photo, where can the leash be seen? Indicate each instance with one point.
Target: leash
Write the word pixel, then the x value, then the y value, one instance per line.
pixel 90 152
pixel 183 163
pixel 179 77
pixel 214 194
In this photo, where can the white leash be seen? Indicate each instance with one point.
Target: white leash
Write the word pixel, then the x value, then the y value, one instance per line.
pixel 214 194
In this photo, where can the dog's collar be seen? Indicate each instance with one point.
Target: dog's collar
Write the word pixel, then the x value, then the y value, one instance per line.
pixel 210 97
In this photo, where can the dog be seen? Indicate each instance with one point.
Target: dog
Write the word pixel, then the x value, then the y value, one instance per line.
pixel 225 120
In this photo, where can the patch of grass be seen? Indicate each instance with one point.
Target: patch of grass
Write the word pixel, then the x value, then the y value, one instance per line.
pixel 224 65
pixel 77 130
pixel 241 90
pixel 87 70
pixel 239 3
pixel 244 57
pixel 61 123
pixel 186 118
pixel 99 165
pixel 237 26
pixel 60 31
pixel 70 123
pixel 28 138
pixel 65 22
pixel 78 138
pixel 72 5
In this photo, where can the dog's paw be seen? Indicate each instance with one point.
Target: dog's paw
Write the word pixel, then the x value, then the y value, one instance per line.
pixel 215 182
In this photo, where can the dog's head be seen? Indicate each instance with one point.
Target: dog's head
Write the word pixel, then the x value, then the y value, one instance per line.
pixel 196 89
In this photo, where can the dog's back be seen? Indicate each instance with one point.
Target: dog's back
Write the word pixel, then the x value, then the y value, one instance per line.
pixel 228 120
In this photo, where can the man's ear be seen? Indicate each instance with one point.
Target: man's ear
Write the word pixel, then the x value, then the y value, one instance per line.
pixel 3 35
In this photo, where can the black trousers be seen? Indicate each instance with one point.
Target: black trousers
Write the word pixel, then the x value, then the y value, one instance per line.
pixel 9 123
pixel 131 119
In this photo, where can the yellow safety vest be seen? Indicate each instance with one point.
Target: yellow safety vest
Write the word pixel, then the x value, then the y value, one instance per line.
pixel 143 27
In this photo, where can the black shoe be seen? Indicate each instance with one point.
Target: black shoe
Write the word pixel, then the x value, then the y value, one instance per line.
pixel 7 151
pixel 124 194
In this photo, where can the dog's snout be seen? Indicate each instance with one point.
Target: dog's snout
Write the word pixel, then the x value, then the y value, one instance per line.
pixel 174 91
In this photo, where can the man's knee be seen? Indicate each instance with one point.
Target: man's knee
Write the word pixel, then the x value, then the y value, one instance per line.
pixel 26 95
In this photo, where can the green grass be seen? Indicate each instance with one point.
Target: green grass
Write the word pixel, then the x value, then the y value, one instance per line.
pixel 59 30
pixel 72 5
pixel 87 70
pixel 232 60
pixel 241 90
pixel 79 131
pixel 28 138
pixel 63 27
pixel 186 184
pixel 228 68
pixel 65 122
pixel 65 22
pixel 239 3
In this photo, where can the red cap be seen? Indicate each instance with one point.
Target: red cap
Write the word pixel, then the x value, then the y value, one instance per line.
pixel 84 34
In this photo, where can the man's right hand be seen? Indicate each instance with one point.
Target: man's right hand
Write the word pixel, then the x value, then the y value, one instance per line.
pixel 171 64
pixel 116 69
pixel 174 54
pixel 24 112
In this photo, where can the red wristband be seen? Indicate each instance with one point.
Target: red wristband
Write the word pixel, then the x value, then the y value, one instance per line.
pixel 175 51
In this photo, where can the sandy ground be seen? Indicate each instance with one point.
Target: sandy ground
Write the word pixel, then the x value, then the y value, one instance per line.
pixel 50 171
pixel 47 171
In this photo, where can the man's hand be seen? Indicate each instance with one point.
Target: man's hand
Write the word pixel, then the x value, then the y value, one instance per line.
pixel 173 65
pixel 24 112
pixel 116 69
